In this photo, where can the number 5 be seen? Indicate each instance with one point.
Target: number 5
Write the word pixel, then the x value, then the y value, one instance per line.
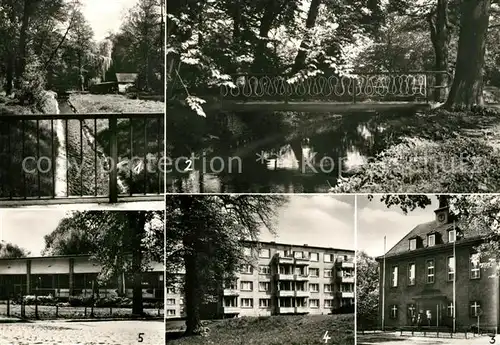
pixel 141 339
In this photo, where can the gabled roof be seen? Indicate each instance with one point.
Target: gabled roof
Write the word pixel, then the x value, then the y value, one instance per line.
pixel 126 77
pixel 422 230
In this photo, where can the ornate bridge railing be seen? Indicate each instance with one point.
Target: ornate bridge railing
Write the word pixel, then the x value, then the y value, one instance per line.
pixel 376 86
pixel 81 158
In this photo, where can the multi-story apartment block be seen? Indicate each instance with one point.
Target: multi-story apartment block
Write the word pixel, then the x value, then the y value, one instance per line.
pixel 431 268
pixel 284 279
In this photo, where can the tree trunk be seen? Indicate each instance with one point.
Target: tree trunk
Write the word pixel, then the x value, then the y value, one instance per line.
pixel 191 288
pixel 300 59
pixel 266 23
pixel 137 221
pixel 21 58
pixel 440 40
pixel 466 90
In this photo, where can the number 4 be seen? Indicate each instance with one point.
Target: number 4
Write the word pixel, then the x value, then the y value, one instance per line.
pixel 326 337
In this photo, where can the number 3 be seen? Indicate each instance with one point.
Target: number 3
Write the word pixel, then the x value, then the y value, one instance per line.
pixel 492 340
pixel 141 339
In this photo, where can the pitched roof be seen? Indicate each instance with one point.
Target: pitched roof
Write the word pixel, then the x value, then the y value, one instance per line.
pixel 422 230
pixel 126 77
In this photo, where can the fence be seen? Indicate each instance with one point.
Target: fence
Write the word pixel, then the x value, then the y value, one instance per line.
pixel 75 158
pixel 358 86
pixel 433 332
pixel 38 309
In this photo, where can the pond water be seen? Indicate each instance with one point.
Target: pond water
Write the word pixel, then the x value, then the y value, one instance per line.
pixel 308 158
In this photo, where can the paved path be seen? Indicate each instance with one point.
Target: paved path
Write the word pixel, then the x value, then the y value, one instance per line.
pixel 83 333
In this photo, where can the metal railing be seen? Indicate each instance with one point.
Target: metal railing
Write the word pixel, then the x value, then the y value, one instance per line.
pixel 356 87
pixel 75 158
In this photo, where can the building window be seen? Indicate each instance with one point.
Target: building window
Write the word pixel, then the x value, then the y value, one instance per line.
pixel 430 271
pixel 247 251
pixel 314 303
pixel 264 253
pixel 449 309
pixel 475 307
pixel 394 277
pixel 431 240
pixel 394 312
pixel 327 273
pixel 314 256
pixel 170 301
pixel 475 270
pixel 314 287
pixel 247 303
pixel 452 236
pixel 328 258
pixel 411 310
pixel 411 274
pixel 170 312
pixel 327 288
pixel 264 286
pixel 247 269
pixel 246 286
pixel 328 303
pixel 264 270
pixel 314 272
pixel 298 255
pixel 264 302
pixel 451 268
pixel 170 290
pixel 413 244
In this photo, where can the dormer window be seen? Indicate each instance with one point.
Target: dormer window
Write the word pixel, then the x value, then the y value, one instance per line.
pixel 413 244
pixel 431 240
pixel 452 236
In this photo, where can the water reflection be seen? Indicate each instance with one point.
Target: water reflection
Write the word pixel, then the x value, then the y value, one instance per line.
pixel 303 163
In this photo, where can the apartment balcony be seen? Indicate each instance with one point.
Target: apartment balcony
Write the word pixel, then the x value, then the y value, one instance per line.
pixel 285 259
pixel 302 261
pixel 343 294
pixel 286 293
pixel 232 310
pixel 299 293
pixel 346 280
pixel 301 310
pixel 287 310
pixel 300 277
pixel 344 263
pixel 231 292
pixel 281 276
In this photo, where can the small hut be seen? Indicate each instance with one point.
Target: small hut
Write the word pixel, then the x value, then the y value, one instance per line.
pixel 125 80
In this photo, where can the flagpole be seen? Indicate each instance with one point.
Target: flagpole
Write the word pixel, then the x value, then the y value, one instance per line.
pixel 454 277
pixel 383 287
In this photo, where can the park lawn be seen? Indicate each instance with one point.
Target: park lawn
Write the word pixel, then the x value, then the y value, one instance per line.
pixel 90 103
pixel 276 330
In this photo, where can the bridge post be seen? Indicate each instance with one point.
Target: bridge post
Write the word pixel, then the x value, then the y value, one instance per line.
pixel 113 148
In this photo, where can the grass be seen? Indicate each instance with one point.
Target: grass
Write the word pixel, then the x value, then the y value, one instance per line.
pixel 88 103
pixel 276 330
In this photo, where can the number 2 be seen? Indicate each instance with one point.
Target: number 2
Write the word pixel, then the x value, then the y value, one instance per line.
pixel 189 164
pixel 141 339
pixel 326 337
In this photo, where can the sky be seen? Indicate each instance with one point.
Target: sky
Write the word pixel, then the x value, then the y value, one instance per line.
pixel 26 228
pixel 375 221
pixel 318 220
pixel 106 15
